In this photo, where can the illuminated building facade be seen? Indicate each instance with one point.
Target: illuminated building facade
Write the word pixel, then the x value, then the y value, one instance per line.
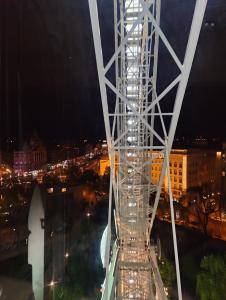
pixel 104 164
pixel 222 164
pixel 189 168
pixel 32 156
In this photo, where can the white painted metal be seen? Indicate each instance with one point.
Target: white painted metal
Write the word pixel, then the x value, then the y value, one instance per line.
pixel 137 133
pixel 36 244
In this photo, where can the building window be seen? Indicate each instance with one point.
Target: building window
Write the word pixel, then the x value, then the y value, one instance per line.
pixel 50 190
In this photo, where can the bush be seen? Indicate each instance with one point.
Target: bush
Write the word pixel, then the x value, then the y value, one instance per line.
pixel 212 278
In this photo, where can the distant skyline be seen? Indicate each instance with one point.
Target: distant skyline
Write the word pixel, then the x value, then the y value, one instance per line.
pixel 48 79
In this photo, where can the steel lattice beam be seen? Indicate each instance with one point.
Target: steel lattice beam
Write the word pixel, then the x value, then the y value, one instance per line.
pixel 135 140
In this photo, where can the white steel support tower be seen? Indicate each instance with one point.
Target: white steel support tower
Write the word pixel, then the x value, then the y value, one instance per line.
pixel 139 136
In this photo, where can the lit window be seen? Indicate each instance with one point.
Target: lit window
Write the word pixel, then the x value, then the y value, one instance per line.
pixel 132 221
pixel 132 204
pixel 50 190
pixel 130 121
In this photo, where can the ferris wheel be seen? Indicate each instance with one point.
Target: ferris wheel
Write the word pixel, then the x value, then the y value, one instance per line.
pixel 140 130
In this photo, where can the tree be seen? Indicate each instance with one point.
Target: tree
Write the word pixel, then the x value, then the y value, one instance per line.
pixel 50 181
pixel 212 278
pixel 101 211
pixel 82 268
pixel 167 272
pixel 73 174
pixel 204 205
pixel 66 292
pixel 89 176
pixel 105 180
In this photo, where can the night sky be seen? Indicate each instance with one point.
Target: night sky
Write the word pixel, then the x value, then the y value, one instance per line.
pixel 48 70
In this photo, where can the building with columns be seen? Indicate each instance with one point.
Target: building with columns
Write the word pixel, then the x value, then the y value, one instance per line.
pixel 32 156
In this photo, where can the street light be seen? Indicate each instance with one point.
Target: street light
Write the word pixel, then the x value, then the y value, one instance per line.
pixel 52 283
pixel 52 286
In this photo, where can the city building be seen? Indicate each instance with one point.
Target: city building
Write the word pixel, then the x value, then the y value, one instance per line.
pixel 32 156
pixel 5 167
pixel 223 179
pixel 189 168
pixel 104 165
